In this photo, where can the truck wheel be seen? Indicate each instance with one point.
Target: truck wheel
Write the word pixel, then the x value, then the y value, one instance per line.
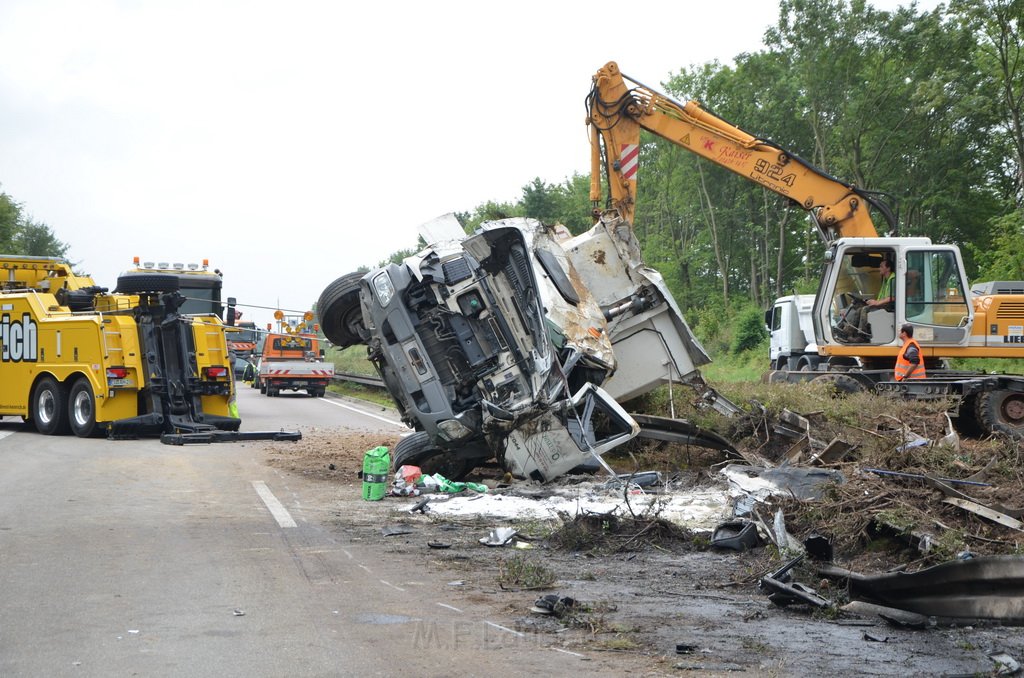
pixel 146 282
pixel 341 316
pixel 82 409
pixel 1001 412
pixel 50 407
pixel 842 384
pixel 417 450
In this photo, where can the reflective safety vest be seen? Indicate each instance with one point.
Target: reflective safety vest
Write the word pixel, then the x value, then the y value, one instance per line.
pixel 885 291
pixel 903 365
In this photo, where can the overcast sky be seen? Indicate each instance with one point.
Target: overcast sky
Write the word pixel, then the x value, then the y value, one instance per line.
pixel 290 143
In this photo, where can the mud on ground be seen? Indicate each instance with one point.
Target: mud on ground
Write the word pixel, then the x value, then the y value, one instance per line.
pixel 658 593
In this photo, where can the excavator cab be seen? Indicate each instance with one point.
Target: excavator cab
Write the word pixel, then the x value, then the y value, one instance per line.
pixel 928 288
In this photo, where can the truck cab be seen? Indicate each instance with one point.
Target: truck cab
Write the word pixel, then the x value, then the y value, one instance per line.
pixel 791 333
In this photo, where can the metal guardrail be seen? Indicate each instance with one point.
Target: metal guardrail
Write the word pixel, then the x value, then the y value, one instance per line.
pixel 366 380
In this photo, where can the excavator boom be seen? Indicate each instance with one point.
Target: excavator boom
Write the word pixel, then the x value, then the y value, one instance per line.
pixel 619 111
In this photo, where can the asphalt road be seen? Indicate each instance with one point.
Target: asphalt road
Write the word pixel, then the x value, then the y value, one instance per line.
pixel 133 558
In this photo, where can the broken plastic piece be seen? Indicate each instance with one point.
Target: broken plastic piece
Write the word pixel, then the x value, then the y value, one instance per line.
pixel 818 547
pixel 738 535
pixel 499 536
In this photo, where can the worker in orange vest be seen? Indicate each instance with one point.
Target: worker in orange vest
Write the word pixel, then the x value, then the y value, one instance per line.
pixel 909 362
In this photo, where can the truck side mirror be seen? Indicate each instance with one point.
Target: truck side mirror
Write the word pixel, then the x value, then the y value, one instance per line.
pixel 322 353
pixel 230 319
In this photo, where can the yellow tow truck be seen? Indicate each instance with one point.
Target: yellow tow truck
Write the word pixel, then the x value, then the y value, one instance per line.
pixel 77 359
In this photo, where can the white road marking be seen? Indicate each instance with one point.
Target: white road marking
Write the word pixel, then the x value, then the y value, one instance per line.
pixel 4 434
pixel 387 583
pixel 359 411
pixel 280 513
pixel 450 607
pixel 503 628
pixel 574 654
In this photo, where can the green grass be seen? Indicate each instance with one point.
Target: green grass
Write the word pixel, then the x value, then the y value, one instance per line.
pixel 525 572
pixel 371 394
pixel 727 368
pixel 351 360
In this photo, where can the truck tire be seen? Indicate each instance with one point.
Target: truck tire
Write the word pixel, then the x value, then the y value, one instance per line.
pixel 50 407
pixel 146 282
pixel 417 450
pixel 82 409
pixel 1001 412
pixel 341 316
pixel 842 384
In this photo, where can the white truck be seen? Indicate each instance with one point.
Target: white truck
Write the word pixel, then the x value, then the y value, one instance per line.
pixel 791 330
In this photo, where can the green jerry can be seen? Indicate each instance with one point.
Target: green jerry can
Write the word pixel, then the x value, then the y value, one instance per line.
pixel 376 464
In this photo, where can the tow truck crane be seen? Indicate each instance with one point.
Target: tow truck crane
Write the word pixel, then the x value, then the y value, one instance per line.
pixel 930 285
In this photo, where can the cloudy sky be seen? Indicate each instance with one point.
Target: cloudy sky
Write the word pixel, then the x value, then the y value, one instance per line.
pixel 290 143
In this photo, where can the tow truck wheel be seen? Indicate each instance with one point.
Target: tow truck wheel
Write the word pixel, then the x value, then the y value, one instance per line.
pixel 50 407
pixel 341 316
pixel 1001 412
pixel 82 409
pixel 417 450
pixel 147 282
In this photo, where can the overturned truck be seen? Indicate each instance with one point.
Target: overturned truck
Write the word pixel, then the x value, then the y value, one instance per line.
pixel 518 343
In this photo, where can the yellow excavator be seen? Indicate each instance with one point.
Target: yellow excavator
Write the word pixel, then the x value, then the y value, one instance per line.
pixel 931 291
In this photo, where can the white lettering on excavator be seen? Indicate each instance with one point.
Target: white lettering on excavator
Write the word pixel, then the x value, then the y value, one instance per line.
pixel 20 340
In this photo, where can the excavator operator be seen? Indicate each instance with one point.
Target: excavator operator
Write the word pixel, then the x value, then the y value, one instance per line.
pixel 856 326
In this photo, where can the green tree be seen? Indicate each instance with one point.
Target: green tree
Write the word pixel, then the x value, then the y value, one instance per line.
pixel 20 234
pixel 37 239
pixel 10 217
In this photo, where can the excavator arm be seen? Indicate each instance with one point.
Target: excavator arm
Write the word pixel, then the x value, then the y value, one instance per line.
pixel 618 111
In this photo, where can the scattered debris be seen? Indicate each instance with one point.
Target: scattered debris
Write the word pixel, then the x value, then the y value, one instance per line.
pixel 499 536
pixel 918 476
pixel 395 530
pixel 738 535
pixel 818 547
pixel 553 605
pixel 990 588
pixel 797 481
pixel 1005 664
pixel 420 506
pixel 986 512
